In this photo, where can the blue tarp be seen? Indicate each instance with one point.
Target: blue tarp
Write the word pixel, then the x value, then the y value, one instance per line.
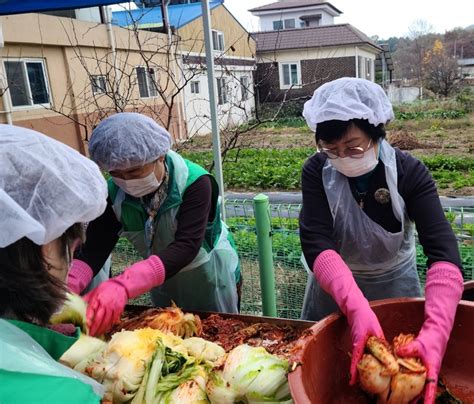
pixel 179 15
pixel 31 6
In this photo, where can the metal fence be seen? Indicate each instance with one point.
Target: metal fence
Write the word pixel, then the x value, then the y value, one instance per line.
pixel 290 276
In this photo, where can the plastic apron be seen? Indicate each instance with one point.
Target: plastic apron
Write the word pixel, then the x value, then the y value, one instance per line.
pixel 207 283
pixel 383 263
pixel 30 373
pixel 102 276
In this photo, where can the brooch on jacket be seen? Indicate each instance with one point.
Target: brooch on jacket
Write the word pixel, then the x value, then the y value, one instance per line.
pixel 382 196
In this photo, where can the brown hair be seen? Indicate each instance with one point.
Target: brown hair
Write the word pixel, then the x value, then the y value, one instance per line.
pixel 27 290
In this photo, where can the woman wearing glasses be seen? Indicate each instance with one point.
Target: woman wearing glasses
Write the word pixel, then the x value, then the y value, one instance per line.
pixel 361 202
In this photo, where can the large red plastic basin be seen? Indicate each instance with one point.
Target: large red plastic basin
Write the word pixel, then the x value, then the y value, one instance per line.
pixel 323 376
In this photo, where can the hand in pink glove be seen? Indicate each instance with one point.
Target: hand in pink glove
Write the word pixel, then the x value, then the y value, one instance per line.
pixel 443 290
pixel 336 279
pixel 107 301
pixel 79 276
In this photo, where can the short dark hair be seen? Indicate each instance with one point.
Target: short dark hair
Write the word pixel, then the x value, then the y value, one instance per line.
pixel 28 291
pixel 334 130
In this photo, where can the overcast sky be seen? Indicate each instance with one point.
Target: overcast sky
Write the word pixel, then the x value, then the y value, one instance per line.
pixel 380 17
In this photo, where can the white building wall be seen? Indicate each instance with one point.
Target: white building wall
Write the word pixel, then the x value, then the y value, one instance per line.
pixel 315 53
pixel 266 21
pixel 233 113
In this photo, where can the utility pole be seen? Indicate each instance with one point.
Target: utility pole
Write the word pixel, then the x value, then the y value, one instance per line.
pixel 216 141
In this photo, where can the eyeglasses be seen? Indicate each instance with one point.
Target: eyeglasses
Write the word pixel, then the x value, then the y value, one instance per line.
pixel 352 152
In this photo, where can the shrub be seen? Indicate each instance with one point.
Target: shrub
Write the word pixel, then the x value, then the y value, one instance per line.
pixel 437 113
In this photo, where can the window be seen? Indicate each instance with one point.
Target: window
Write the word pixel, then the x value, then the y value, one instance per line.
pixel 244 87
pixel 99 84
pixel 194 87
pixel 290 75
pixel 277 25
pixel 290 23
pixel 221 91
pixel 27 82
pixel 217 40
pixel 146 82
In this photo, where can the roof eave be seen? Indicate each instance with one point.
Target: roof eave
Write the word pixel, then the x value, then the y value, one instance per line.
pixel 320 46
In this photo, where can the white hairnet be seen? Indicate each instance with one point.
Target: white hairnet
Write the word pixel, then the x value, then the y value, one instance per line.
pixel 45 187
pixel 126 140
pixel 348 98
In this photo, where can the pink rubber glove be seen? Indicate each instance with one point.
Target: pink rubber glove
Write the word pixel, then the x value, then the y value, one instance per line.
pixel 336 279
pixel 107 301
pixel 79 276
pixel 443 290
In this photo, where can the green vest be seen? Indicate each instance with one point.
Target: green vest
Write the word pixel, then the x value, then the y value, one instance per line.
pixel 216 261
pixel 133 214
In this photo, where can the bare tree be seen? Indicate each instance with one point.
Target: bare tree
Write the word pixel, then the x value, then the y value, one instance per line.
pixel 148 72
pixel 418 33
pixel 145 74
pixel 441 71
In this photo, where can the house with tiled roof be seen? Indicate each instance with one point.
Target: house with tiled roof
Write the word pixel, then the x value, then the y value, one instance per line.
pixel 234 58
pixel 299 48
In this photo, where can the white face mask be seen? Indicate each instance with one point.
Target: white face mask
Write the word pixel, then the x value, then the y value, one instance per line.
pixel 140 186
pixel 356 167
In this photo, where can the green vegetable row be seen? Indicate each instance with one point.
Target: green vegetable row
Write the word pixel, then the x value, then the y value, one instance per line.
pixel 280 169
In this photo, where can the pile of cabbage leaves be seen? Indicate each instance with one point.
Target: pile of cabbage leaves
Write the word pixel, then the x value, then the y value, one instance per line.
pixel 147 366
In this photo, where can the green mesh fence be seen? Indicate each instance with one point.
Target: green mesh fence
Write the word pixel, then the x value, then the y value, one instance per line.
pixel 290 276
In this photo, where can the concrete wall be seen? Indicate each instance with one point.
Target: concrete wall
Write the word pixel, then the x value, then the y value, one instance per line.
pixel 401 95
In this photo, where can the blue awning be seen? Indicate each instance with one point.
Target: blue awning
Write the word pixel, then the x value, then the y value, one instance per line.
pixel 32 6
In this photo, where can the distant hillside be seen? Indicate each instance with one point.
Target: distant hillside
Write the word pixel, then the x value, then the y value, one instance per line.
pixel 406 51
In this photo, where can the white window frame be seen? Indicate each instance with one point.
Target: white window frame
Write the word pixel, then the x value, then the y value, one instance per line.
pixel 279 22
pixel 195 87
pixel 289 19
pixel 150 86
pixel 220 45
pixel 284 86
pixel 244 87
pixel 222 95
pixel 28 87
pixel 97 89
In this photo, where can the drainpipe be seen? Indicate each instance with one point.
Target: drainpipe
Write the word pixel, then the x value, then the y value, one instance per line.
pixel 357 61
pixel 110 33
